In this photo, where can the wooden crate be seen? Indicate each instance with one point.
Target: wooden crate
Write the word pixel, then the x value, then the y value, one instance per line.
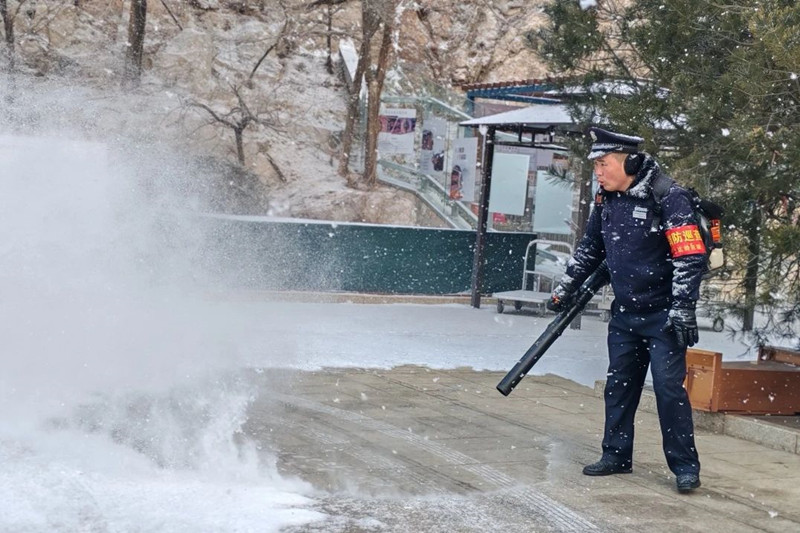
pixel 759 387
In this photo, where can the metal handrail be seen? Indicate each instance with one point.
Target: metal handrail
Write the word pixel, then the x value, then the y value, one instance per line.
pixel 426 100
pixel 536 242
pixel 416 186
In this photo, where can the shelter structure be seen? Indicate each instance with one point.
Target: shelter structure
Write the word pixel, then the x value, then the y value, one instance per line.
pixel 538 126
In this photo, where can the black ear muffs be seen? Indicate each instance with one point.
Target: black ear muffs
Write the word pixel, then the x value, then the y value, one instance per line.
pixel 633 163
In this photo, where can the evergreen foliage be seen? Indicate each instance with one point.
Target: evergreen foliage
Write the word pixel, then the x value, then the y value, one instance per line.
pixel 713 88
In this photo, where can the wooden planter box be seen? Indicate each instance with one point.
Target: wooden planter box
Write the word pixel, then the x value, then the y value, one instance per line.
pixel 780 355
pixel 770 385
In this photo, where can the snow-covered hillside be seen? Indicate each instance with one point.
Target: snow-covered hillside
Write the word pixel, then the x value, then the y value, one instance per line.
pixel 201 54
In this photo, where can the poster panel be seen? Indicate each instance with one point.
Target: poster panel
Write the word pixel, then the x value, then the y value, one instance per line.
pixel 397 127
pixel 509 183
pixel 463 172
pixel 431 159
pixel 553 211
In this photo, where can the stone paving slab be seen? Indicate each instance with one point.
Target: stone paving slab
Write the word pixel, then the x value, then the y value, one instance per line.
pixel 414 449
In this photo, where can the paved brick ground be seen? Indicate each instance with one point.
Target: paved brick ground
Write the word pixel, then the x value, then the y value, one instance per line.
pixel 414 449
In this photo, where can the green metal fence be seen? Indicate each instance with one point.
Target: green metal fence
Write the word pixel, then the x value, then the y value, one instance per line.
pixel 263 254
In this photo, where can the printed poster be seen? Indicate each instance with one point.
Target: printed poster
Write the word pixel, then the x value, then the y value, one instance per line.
pixel 396 135
pixel 431 159
pixel 463 172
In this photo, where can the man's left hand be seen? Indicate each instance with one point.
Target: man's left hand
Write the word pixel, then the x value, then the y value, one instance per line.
pixel 683 322
pixel 561 299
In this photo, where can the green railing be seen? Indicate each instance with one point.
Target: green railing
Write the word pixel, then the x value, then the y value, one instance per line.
pixel 259 253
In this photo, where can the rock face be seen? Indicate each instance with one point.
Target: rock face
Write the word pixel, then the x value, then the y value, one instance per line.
pixel 209 63
pixel 460 42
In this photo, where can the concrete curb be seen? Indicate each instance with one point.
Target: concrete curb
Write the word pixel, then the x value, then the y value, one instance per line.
pixel 738 426
pixel 350 297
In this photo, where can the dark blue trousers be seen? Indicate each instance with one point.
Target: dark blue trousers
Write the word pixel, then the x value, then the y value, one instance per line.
pixel 636 340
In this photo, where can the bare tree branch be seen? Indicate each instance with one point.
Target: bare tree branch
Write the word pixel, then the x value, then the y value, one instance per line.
pixel 316 3
pixel 164 3
pixel 275 167
pixel 239 118
pixel 269 49
pixel 280 37
pixel 214 115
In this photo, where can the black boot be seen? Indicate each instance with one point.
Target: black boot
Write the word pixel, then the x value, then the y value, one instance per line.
pixel 604 467
pixel 687 482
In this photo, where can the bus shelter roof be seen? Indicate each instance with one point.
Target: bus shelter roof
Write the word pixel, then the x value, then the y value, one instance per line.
pixel 539 117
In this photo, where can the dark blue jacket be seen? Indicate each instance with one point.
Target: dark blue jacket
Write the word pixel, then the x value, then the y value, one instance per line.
pixel 647 274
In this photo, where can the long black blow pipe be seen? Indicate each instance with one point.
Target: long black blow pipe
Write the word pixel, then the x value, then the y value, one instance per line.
pixel 590 287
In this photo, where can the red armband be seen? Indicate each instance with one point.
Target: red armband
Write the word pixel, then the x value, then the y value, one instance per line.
pixel 685 240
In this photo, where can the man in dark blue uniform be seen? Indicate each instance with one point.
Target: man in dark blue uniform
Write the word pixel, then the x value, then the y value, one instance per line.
pixel 656 258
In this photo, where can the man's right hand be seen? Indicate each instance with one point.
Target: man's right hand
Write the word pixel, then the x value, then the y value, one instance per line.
pixel 560 300
pixel 683 322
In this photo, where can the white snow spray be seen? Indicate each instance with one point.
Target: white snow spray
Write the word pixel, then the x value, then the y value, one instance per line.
pixel 122 392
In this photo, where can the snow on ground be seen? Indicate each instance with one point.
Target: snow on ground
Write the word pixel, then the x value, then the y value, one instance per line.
pixel 315 336
pixel 153 447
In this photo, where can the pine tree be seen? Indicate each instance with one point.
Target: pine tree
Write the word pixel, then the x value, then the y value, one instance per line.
pixel 713 88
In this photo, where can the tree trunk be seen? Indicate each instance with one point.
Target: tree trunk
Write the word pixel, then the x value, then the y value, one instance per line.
pixel 239 145
pixel 134 52
pixel 352 105
pixel 751 271
pixel 329 40
pixel 8 28
pixel 375 79
pixel 373 129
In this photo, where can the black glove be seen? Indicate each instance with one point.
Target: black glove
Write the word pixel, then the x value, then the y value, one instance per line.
pixel 561 299
pixel 683 322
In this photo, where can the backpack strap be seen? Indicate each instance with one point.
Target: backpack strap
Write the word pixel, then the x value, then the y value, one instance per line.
pixel 659 189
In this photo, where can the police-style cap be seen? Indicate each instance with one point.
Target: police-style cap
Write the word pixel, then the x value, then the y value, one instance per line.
pixel 605 142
